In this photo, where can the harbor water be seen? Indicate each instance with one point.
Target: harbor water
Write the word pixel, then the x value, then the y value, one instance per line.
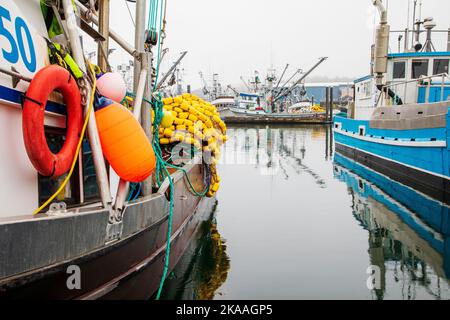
pixel 296 221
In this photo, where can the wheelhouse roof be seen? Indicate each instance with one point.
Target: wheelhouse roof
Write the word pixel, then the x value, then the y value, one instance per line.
pixel 419 54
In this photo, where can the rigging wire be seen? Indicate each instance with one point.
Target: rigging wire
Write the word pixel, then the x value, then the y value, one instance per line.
pixel 129 12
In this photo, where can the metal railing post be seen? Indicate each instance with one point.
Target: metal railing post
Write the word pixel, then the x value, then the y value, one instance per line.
pixel 94 140
pixel 405 93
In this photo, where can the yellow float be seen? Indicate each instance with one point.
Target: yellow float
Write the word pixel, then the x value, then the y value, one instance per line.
pixel 191 120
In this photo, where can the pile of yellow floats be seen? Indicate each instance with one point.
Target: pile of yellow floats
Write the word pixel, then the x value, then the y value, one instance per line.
pixel 190 120
pixel 317 108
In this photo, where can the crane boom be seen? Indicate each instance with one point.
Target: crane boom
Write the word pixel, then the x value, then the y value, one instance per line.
pixel 161 82
pixel 282 75
pixel 232 89
pixel 287 82
pixel 322 59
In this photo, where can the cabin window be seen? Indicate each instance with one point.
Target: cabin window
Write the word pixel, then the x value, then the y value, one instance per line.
pixel 440 66
pixel 419 68
pixel 399 70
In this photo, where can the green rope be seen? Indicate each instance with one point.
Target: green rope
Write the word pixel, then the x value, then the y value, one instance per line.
pixel 162 173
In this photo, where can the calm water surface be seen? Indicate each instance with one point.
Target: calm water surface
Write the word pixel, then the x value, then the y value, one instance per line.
pixel 295 221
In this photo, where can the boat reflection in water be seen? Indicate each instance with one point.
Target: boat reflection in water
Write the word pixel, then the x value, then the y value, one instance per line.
pixel 202 269
pixel 274 149
pixel 409 233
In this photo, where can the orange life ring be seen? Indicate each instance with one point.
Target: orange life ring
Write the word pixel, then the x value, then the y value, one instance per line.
pixel 49 79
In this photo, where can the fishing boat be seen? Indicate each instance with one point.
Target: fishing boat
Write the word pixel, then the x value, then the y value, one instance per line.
pixel 400 121
pixel 224 102
pixel 86 241
pixel 267 103
pixel 251 108
pixel 404 225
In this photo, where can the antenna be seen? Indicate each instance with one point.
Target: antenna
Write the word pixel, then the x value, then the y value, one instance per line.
pixel 408 16
pixel 413 23
pixel 420 10
pixel 246 85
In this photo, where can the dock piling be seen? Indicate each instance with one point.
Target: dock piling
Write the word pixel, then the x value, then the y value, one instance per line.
pixel 330 111
pixel 327 102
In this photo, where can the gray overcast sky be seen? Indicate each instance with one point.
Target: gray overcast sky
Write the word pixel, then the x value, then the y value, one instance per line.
pixel 236 37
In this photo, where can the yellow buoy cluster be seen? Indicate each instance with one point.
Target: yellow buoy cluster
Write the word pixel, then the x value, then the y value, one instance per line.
pixel 193 121
pixel 317 108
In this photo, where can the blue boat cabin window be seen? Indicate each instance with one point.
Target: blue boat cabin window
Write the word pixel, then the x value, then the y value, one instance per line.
pixel 419 68
pixel 399 70
pixel 440 66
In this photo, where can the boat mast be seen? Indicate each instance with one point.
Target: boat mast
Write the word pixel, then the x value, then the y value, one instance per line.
pixel 103 29
pixel 408 17
pixel 94 140
pixel 144 62
pixel 246 85
pixel 142 86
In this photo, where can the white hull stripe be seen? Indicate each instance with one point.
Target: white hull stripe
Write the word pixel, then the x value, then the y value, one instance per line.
pixel 402 143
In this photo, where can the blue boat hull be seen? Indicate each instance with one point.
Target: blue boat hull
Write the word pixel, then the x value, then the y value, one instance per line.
pixel 418 158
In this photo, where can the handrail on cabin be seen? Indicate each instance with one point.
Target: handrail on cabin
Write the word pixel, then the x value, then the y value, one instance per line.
pixel 421 82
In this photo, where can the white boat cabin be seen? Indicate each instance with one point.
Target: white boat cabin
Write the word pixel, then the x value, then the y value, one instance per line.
pixel 412 77
pixel 249 101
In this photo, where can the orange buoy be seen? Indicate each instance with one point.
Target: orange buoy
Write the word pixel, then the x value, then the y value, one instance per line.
pixel 124 143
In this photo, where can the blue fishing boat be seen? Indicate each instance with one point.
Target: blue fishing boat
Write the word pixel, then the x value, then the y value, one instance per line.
pixel 400 121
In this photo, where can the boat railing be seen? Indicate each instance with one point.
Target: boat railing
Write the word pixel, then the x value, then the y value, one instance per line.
pixel 423 87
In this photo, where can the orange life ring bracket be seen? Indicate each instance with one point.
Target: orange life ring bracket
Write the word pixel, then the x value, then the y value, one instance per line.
pixel 49 79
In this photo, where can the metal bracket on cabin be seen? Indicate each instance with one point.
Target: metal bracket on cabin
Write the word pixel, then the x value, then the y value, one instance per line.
pixel 15 75
pixel 61 24
pixel 91 31
pixel 85 20
pixel 15 78
pixel 113 231
pixel 57 208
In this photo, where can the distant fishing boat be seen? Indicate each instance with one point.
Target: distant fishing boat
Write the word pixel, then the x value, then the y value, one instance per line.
pixel 250 108
pixel 88 243
pixel 400 122
pixel 224 102
pixel 262 103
